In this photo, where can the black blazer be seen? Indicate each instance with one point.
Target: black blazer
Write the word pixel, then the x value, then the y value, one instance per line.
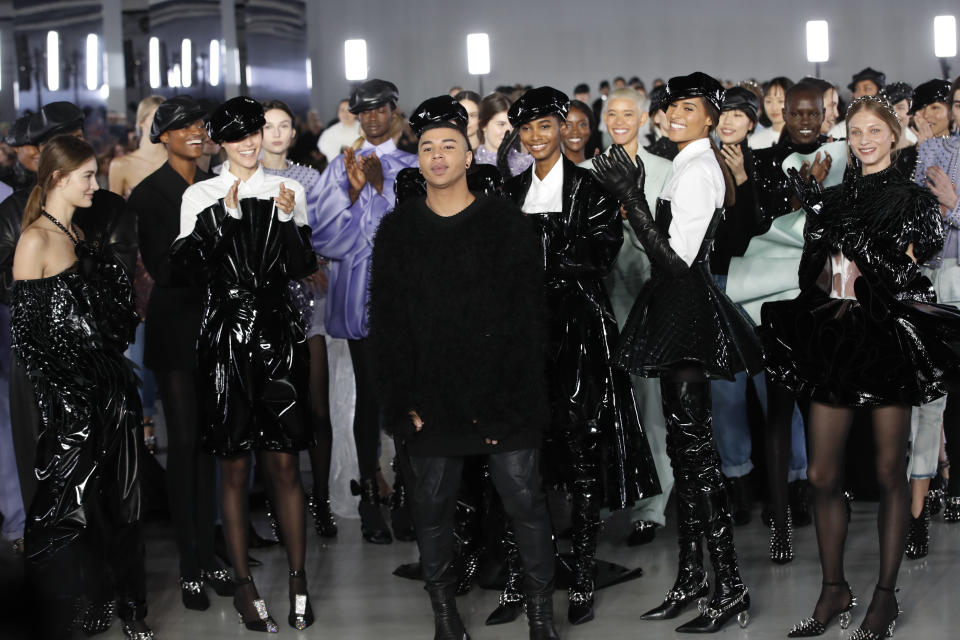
pixel 174 310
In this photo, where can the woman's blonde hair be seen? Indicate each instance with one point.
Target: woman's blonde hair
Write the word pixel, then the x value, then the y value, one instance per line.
pixel 143 108
pixel 60 156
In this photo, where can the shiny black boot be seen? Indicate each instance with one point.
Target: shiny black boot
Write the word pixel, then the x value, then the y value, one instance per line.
pixel 373 528
pixel 540 617
pixel 511 598
pixel 586 528
pixel 918 533
pixel 400 517
pixel 323 521
pixel 133 620
pixel 781 540
pixel 469 547
pixel 446 618
pixel 691 585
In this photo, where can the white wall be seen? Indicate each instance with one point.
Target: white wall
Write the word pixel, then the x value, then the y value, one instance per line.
pixel 420 44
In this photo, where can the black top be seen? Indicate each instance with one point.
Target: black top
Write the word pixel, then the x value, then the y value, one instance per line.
pixel 740 222
pixel 173 311
pixel 773 187
pixel 663 147
pixel 457 326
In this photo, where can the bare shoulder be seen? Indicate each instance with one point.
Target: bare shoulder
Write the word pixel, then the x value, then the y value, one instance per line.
pixel 30 258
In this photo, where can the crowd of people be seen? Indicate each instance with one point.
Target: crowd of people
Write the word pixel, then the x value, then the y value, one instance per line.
pixel 537 293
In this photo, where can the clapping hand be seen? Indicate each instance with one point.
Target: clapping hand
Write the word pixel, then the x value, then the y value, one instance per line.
pixel 939 183
pixel 231 199
pixel 355 174
pixel 373 171
pixel 285 200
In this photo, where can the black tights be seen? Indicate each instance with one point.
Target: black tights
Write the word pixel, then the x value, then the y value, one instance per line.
pixel 366 416
pixel 284 471
pixel 191 473
pixel 780 401
pixel 320 412
pixel 829 431
pixel 951 431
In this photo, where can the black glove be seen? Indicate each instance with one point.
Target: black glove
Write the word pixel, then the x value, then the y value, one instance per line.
pixel 503 153
pixel 619 176
pixel 808 193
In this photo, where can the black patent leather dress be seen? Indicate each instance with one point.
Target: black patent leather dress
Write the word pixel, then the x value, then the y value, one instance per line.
pixel 885 341
pixel 687 319
pixel 587 392
pixel 70 331
pixel 252 353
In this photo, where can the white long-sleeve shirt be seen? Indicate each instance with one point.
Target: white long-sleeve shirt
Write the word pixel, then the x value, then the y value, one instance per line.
pixel 695 191
pixel 264 186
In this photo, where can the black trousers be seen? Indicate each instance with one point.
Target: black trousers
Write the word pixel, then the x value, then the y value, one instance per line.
pixel 366 415
pixel 435 485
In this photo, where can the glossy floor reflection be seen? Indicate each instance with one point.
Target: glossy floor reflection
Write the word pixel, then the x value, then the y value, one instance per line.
pixel 355 596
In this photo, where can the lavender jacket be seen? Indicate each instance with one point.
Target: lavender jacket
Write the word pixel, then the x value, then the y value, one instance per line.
pixel 343 232
pixel 944 153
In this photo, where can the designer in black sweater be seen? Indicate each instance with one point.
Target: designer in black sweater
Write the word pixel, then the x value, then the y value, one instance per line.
pixel 456 322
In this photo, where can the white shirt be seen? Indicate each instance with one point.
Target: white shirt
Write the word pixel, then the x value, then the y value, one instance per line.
pixel 695 191
pixel 264 186
pixel 838 131
pixel 545 196
pixel 763 138
pixel 337 136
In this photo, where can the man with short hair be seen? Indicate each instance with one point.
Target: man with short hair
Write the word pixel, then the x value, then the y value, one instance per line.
pixel 581 92
pixel 355 192
pixel 458 339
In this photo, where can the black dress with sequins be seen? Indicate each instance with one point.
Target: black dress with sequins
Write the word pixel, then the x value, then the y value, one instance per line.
pixel 70 331
pixel 867 333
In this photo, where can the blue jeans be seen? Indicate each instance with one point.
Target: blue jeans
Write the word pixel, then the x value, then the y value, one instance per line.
pixel 731 427
pixel 148 383
pixel 11 500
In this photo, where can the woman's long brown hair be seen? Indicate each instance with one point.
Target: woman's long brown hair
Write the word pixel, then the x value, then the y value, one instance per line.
pixel 59 156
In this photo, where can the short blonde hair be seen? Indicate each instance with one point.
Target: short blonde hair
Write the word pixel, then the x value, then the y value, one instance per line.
pixel 627 94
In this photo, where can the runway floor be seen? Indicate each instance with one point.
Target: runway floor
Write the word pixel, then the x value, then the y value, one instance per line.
pixel 355 597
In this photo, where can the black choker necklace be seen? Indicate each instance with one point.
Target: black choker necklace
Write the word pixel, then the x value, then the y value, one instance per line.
pixel 75 239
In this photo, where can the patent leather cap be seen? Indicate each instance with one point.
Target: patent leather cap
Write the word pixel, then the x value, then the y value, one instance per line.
pixel 372 94
pixel 538 103
pixel 897 91
pixel 174 113
pixel 17 136
pixel 53 119
pixel 235 119
pixel 442 111
pixel 695 85
pixel 879 78
pixel 929 92
pixel 740 99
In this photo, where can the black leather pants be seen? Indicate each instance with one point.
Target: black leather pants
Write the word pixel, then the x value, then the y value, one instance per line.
pixel 516 476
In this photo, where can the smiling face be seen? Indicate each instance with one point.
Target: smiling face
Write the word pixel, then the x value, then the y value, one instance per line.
pixel 773 105
pixel 803 116
pixel 623 118
pixel 29 156
pixel 871 139
pixel 278 132
pixel 443 156
pixel 496 129
pixel 831 110
pixel 375 123
pixel 77 187
pixel 542 138
pixel 244 153
pixel 186 142
pixel 576 131
pixel 734 127
pixel 938 115
pixel 688 120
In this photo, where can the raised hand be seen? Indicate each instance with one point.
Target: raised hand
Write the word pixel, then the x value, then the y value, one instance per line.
pixel 355 174
pixel 503 152
pixel 733 157
pixel 373 171
pixel 231 199
pixel 807 192
pixel 618 175
pixel 285 201
pixel 939 183
pixel 821 166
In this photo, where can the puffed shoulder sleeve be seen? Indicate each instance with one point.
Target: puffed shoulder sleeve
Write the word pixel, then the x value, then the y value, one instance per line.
pixel 203 230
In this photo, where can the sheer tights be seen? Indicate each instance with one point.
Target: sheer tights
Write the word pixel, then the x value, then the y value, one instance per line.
pixel 320 411
pixel 830 428
pixel 283 470
pixel 780 401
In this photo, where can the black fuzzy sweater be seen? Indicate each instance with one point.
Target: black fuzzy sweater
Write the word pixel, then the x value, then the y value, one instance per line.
pixel 457 326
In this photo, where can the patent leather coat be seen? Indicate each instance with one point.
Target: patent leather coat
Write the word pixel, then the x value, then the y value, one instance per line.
pixel 588 395
pixel 253 357
pixel 70 331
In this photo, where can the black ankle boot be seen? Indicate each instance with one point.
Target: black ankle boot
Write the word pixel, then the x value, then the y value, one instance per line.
pixel 373 528
pixel 446 618
pixel 323 521
pixel 580 593
pixel 781 540
pixel 918 533
pixel 540 617
pixel 133 620
pixel 511 598
pixel 400 518
pixel 690 585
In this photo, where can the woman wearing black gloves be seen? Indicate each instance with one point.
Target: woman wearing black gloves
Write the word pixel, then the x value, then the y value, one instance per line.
pixel 684 330
pixel 863 333
pixel 245 232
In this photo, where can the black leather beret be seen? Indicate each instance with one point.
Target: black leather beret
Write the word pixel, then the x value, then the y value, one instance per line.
pixel 929 92
pixel 174 113
pixel 658 96
pixel 372 94
pixel 235 119
pixel 538 103
pixel 442 111
pixel 879 78
pixel 53 119
pixel 17 135
pixel 695 85
pixel 738 98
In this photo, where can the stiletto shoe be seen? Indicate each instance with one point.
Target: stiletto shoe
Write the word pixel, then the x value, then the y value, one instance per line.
pixel 220 581
pixel 810 627
pixel 323 521
pixel 372 526
pixel 690 585
pixel 301 613
pixel 511 599
pixel 98 617
pixel 951 509
pixel 781 540
pixel 716 612
pixel 193 596
pixel 918 533
pixel 862 633
pixel 264 621
pixel 132 620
